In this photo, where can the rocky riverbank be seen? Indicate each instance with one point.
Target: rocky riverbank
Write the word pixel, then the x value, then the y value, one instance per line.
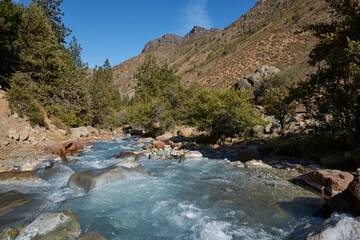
pixel 24 167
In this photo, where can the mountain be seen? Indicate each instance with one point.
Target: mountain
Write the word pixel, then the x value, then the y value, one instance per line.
pixel 269 34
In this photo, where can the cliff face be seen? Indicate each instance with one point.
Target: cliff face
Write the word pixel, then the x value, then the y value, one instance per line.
pixel 269 34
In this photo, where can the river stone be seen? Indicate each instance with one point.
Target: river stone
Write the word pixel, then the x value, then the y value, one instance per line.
pixel 88 179
pixel 192 155
pixel 256 164
pixel 52 226
pixel 74 145
pixel 326 182
pixel 126 156
pixel 159 144
pixel 20 178
pixel 141 156
pixel 91 236
pixel 247 154
pixel 334 228
pixel 16 208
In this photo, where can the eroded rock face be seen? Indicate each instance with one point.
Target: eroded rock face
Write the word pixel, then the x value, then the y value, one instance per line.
pixel 334 228
pixel 326 182
pixel 89 179
pixel 52 147
pixel 59 225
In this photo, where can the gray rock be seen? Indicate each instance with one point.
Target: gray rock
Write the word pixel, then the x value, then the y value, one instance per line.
pixel 256 164
pixel 59 225
pixel 12 133
pixel 334 228
pixel 79 132
pixel 141 156
pixel 18 208
pixel 192 155
pixel 256 79
pixel 89 179
pixel 24 135
pixel 126 156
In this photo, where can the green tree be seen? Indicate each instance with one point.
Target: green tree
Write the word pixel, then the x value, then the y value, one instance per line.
pixel 75 50
pixel 332 94
pixel 10 18
pixel 225 112
pixel 53 12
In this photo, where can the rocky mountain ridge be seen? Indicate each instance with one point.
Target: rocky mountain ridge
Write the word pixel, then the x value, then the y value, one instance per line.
pixel 269 34
pixel 172 39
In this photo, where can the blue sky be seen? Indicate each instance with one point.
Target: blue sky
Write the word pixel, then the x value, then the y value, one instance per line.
pixel 118 29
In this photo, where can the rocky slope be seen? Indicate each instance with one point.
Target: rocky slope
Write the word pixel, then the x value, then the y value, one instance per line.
pixel 269 34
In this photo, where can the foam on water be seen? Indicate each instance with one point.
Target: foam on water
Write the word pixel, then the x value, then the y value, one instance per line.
pixel 207 199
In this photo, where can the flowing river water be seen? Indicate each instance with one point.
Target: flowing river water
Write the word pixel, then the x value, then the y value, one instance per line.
pixel 207 199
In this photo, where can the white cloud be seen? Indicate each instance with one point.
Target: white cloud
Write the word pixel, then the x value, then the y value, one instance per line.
pixel 195 14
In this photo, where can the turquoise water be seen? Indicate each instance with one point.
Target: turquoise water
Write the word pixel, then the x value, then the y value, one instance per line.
pixel 208 199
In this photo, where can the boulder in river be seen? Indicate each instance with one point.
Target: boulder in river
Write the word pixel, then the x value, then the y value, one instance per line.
pixel 74 145
pixel 89 179
pixel 16 208
pixel 20 178
pixel 126 156
pixel 52 147
pixel 326 182
pixel 192 155
pixel 91 236
pixel 334 228
pixel 58 225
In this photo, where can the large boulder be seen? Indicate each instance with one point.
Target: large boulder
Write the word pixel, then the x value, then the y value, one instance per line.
pixel 74 145
pixel 80 132
pixel 20 178
pixel 52 147
pixel 126 156
pixel 256 79
pixel 58 225
pixel 326 182
pixel 164 137
pixel 16 208
pixel 247 154
pixel 89 179
pixel 91 236
pixel 334 228
pixel 192 155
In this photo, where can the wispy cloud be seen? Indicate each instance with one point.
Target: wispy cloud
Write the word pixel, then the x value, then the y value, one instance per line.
pixel 195 14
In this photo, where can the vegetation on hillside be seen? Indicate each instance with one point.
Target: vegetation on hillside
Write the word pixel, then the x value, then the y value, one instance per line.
pixel 332 94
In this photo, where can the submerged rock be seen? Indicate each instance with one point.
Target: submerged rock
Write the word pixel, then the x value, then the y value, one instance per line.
pixel 192 155
pixel 326 182
pixel 91 236
pixel 141 156
pixel 88 179
pixel 334 228
pixel 59 225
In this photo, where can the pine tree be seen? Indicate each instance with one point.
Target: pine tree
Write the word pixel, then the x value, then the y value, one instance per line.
pixel 75 52
pixel 53 12
pixel 10 17
pixel 332 94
